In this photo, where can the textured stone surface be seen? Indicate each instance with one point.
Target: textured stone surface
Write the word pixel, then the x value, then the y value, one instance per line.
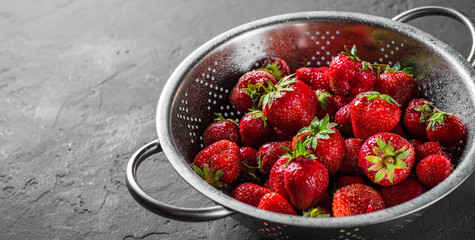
pixel 79 83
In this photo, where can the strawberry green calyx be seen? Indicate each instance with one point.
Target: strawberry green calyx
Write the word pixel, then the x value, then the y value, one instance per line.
pixel 275 91
pixel 254 92
pixel 426 110
pixel 273 69
pixel 318 129
pixel 299 151
pixel 437 118
pixel 210 175
pixel 220 118
pixel 322 96
pixel 315 212
pixel 259 114
pixel 386 160
pixel 376 95
pixel 353 54
pixel 397 68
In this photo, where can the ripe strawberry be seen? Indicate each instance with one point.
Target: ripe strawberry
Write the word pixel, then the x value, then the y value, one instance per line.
pixel 401 192
pixel 254 129
pixel 269 153
pixel 348 74
pixel 445 128
pixel 274 202
pixel 349 165
pixel 249 156
pixel 399 131
pixel 386 158
pixel 299 177
pixel 372 112
pixel 416 114
pixel 433 169
pixel 273 65
pixel 281 136
pixel 330 104
pixel 247 92
pixel 290 105
pixel 324 141
pixel 346 180
pixel 397 83
pixel 342 117
pixel 428 148
pixel 221 129
pixel 356 199
pixel 249 193
pixel 219 163
pixel 315 78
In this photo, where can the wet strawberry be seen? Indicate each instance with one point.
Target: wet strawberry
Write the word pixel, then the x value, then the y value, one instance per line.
pixel 249 193
pixel 433 169
pixel 372 112
pixel 349 165
pixel 249 156
pixel 315 78
pixel 247 92
pixel 290 105
pixel 273 65
pixel 274 202
pixel 254 129
pixel 397 83
pixel 348 74
pixel 330 104
pixel 416 114
pixel 219 163
pixel 250 166
pixel 445 128
pixel 221 129
pixel 401 192
pixel 343 118
pixel 270 152
pixel 299 177
pixel 356 199
pixel 386 158
pixel 428 148
pixel 324 141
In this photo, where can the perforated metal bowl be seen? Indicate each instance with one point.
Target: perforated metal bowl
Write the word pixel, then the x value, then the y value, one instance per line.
pixel 200 86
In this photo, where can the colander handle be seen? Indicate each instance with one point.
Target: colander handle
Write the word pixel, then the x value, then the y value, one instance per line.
pixel 163 209
pixel 443 11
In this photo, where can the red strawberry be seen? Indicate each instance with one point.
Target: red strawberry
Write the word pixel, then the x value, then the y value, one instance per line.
pixel 270 152
pixel 416 114
pixel 273 65
pixel 330 104
pixel 399 131
pixel 281 136
pixel 401 192
pixel 290 105
pixel 342 117
pixel 221 129
pixel 254 129
pixel 219 164
pixel 249 193
pixel 397 83
pixel 349 165
pixel 324 141
pixel 300 178
pixel 386 158
pixel 445 128
pixel 274 202
pixel 428 148
pixel 349 75
pixel 249 156
pixel 246 93
pixel 347 180
pixel 433 169
pixel 315 78
pixel 372 113
pixel 356 199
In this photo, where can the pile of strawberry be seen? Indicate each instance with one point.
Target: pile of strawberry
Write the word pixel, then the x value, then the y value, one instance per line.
pixel 342 140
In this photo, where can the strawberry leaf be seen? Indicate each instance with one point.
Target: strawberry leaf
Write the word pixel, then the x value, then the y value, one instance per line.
pixel 373 159
pixel 403 155
pixel 375 167
pixel 400 164
pixel 379 176
pixel 273 69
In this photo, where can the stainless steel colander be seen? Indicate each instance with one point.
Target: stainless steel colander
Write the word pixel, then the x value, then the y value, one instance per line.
pixel 201 84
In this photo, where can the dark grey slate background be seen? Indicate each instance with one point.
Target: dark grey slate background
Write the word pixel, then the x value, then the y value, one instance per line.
pixel 79 83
